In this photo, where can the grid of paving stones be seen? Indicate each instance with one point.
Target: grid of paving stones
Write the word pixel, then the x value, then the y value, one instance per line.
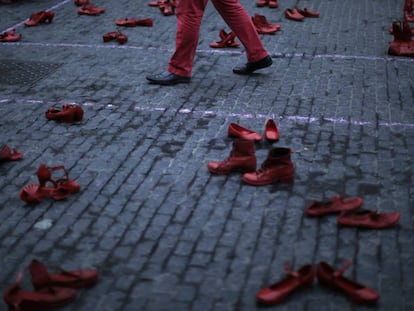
pixel 164 233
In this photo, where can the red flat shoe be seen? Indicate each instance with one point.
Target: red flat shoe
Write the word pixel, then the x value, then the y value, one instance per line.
pixel 18 299
pixel 335 205
pixel 41 278
pixel 68 113
pixel 279 291
pixel 262 3
pixel 327 276
pixel 133 22
pixel 154 3
pixel 368 219
pixel 236 130
pixel 39 18
pixel 227 40
pixel 81 2
pixel 308 13
pixel 263 26
pixel 61 188
pixel 10 36
pixel 115 35
pixel 271 130
pixel 273 4
pixel 294 15
pixel 8 154
pixel 90 9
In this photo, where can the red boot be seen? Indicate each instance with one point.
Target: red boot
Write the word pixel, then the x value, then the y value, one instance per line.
pixel 241 159
pixel 277 167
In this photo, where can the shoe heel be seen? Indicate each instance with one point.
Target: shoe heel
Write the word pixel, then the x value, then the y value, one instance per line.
pixel 286 179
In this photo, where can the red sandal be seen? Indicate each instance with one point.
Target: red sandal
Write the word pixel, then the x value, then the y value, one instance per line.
pixel 18 299
pixel 68 113
pixel 41 278
pixel 8 154
pixel 10 36
pixel 227 40
pixel 60 190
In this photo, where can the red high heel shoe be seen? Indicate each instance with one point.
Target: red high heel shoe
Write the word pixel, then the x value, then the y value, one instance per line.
pixel 68 113
pixel 271 131
pixel 60 190
pixel 132 22
pixel 10 36
pixel 8 154
pixel 39 18
pixel 227 40
pixel 41 278
pixel 18 299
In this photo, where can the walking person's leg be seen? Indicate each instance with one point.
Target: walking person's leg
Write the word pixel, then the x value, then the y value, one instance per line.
pixel 238 19
pixel 189 14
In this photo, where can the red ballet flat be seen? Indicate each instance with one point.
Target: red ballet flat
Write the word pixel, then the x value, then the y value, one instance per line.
pixel 293 14
pixel 90 9
pixel 18 299
pixel 334 205
pixel 133 22
pixel 308 13
pixel 8 154
pixel 10 36
pixel 236 130
pixel 68 113
pixel 40 18
pixel 41 278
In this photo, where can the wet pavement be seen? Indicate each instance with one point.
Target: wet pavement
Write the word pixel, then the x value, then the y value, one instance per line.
pixel 162 231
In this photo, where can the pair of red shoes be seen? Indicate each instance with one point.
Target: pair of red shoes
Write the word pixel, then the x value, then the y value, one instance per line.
pixel 350 213
pixel 115 35
pixel 167 7
pixel 8 154
pixel 271 132
pixel 68 113
pixel 227 40
pixel 38 18
pixel 263 26
pixel 270 3
pixel 402 45
pixel 10 36
pixel 51 290
pixel 56 189
pixel 296 14
pixel 327 276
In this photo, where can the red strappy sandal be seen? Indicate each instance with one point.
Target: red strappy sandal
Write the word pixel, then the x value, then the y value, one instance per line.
pixel 60 190
pixel 18 299
pixel 41 278
pixel 8 154
pixel 68 113
pixel 227 40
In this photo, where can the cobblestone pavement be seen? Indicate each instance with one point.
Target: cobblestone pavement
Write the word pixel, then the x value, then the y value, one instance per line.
pixel 165 234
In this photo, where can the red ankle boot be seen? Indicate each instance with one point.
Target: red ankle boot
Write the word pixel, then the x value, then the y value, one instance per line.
pixel 277 167
pixel 241 159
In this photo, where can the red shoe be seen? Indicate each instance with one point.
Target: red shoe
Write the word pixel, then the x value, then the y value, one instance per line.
pixel 308 13
pixel 154 3
pixel 227 40
pixel 271 131
pixel 39 18
pixel 327 276
pixel 335 205
pixel 61 188
pixel 73 279
pixel 273 4
pixel 115 35
pixel 400 48
pixel 262 3
pixel 8 154
pixel 277 167
pixel 279 291
pixel 132 22
pixel 90 9
pixel 242 158
pixel 236 130
pixel 18 299
pixel 167 7
pixel 10 36
pixel 67 113
pixel 263 26
pixel 81 2
pixel 368 219
pixel 294 15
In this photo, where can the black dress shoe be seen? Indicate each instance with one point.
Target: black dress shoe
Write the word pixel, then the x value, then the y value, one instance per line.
pixel 167 78
pixel 249 68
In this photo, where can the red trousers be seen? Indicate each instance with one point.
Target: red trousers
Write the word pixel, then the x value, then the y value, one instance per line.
pixel 189 14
